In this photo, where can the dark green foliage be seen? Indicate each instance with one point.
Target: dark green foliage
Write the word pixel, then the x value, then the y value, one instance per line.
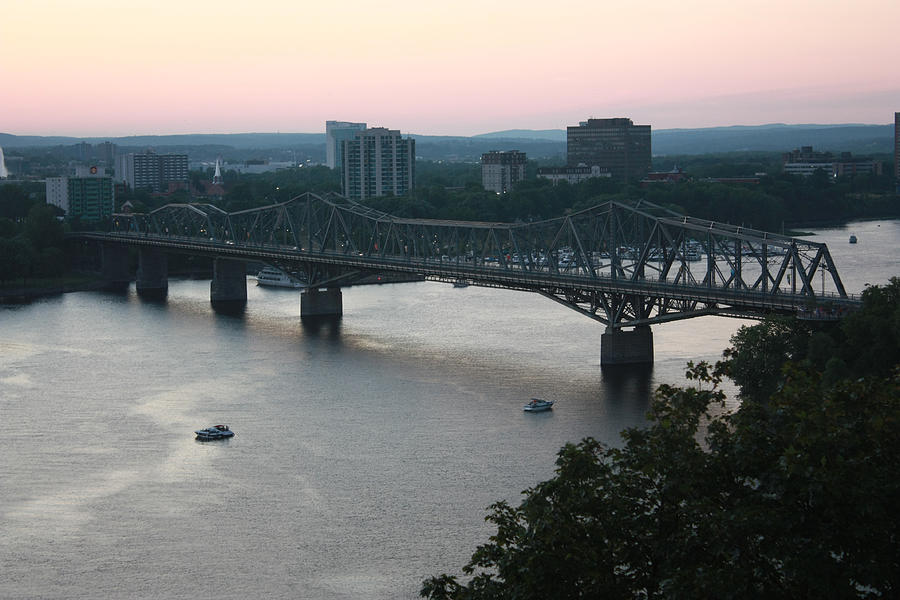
pixel 866 342
pixel 792 498
pixel 794 495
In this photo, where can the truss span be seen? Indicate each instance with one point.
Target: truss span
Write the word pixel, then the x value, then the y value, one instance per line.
pixel 624 264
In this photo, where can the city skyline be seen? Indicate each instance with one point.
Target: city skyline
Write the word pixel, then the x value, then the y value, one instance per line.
pixel 93 69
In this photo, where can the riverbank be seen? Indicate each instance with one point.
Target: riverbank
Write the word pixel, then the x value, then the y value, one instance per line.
pixel 11 293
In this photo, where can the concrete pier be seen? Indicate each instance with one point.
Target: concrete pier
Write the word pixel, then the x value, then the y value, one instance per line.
pixel 228 288
pixel 618 347
pixel 153 273
pixel 114 265
pixel 318 303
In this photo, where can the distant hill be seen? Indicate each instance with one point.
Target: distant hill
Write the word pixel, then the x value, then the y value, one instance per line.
pixel 859 139
pixel 544 144
pixel 554 135
pixel 775 137
pixel 234 140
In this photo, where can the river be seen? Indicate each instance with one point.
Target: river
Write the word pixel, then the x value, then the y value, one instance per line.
pixel 365 454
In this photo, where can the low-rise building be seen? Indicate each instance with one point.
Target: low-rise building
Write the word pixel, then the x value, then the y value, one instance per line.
pixel 571 175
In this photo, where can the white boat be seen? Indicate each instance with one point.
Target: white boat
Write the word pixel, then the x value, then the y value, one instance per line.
pixel 538 405
pixel 270 276
pixel 214 432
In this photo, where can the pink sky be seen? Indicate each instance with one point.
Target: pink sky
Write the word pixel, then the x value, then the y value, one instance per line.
pixel 104 68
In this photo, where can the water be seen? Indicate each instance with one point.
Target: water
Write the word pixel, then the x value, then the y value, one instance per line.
pixel 366 453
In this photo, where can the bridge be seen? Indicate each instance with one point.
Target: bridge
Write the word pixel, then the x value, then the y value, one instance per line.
pixel 626 265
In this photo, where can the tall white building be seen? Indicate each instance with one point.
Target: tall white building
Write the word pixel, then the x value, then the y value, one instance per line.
pixel 58 192
pixel 335 133
pixel 501 170
pixel 378 162
pixel 151 171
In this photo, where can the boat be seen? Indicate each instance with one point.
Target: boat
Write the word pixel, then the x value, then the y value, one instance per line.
pixel 538 405
pixel 214 432
pixel 270 276
pixel 460 283
pixel 852 239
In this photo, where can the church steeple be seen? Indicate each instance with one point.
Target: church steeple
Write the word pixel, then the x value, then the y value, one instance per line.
pixel 217 177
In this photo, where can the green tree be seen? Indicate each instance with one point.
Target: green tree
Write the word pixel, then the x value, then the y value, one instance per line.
pixel 757 353
pixel 791 498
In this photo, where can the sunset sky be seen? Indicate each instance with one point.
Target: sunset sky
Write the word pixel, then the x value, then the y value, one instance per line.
pixel 104 68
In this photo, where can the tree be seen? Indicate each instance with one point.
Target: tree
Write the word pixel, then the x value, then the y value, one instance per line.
pixel 757 353
pixel 792 498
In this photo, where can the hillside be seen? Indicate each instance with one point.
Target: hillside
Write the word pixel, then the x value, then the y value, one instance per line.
pixel 538 144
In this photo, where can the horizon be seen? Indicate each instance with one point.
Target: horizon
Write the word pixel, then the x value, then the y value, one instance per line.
pixel 208 67
pixel 413 133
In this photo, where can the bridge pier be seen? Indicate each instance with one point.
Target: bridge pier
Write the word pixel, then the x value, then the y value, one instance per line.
pixel 618 347
pixel 316 303
pixel 153 273
pixel 114 265
pixel 228 288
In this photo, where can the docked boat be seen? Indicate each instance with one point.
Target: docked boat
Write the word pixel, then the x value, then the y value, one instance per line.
pixel 460 283
pixel 270 276
pixel 538 405
pixel 852 239
pixel 214 432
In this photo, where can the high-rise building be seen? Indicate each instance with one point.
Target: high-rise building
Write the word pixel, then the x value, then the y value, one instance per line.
pixel 335 133
pixel 151 171
pixel 897 148
pixel 617 146
pixel 501 170
pixel 378 162
pixel 91 198
pixel 58 192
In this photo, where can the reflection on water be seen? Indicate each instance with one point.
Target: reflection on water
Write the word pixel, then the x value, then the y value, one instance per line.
pixel 368 446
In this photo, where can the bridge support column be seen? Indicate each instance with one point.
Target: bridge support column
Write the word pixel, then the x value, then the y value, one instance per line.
pixel 228 288
pixel 619 347
pixel 316 303
pixel 153 273
pixel 114 265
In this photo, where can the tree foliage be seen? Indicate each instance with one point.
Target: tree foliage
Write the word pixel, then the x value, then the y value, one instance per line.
pixel 793 495
pixel 793 498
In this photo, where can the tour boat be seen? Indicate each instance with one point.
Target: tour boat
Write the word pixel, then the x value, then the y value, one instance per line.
pixel 214 432
pixel 270 276
pixel 538 405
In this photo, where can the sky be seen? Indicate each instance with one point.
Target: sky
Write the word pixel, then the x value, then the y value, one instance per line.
pixel 139 67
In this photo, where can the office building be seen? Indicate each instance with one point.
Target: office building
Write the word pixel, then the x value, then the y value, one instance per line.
pixel 805 161
pixel 571 175
pixel 897 148
pixel 152 172
pixel 378 162
pixel 57 192
pixel 335 133
pixel 500 171
pixel 89 198
pixel 617 146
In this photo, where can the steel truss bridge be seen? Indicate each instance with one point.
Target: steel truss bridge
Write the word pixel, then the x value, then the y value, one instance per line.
pixel 624 265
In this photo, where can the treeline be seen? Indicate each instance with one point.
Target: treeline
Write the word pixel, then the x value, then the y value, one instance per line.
pixel 455 192
pixel 793 495
pixel 31 237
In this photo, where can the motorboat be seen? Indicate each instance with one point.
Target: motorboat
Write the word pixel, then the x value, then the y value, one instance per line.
pixel 538 405
pixel 214 432
pixel 852 239
pixel 270 276
pixel 460 283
